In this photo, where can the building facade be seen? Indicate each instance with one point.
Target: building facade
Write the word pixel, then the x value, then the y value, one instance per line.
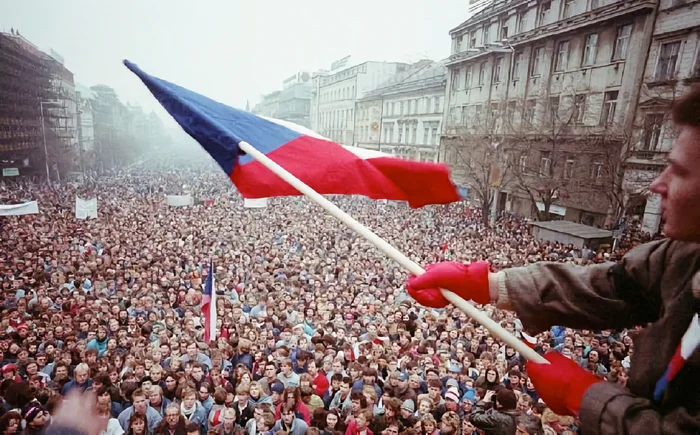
pixel 334 96
pixel 673 65
pixel 551 88
pixel 404 118
pixel 292 103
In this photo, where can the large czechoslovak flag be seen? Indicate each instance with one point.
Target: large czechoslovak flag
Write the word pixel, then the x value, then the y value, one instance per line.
pixel 209 306
pixel 327 167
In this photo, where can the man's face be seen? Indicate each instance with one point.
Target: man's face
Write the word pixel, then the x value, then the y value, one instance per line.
pixel 140 403
pixel 155 398
pixel 197 373
pixel 679 187
pixel 81 376
pixel 288 417
pixel 192 350
pixel 344 389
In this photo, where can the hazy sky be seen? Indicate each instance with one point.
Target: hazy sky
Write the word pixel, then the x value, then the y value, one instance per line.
pixel 230 50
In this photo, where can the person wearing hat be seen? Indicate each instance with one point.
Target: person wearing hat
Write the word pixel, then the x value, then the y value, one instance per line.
pixel 35 417
pixel 408 408
pixel 403 391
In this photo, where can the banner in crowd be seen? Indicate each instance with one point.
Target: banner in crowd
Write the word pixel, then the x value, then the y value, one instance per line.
pixel 255 203
pixel 85 208
pixel 31 207
pixel 179 200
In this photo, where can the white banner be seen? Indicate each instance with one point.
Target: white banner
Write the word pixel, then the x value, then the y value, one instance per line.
pixel 179 200
pixel 85 208
pixel 19 209
pixel 255 203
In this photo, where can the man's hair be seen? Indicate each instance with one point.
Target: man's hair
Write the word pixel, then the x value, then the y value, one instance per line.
pixel 192 427
pixel 268 420
pixel 139 392
pixel 434 383
pixel 686 111
pixel 507 399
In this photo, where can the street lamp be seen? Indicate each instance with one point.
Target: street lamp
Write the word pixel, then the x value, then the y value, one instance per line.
pixel 43 132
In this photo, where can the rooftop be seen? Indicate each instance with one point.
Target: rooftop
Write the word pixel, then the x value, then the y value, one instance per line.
pixel 574 229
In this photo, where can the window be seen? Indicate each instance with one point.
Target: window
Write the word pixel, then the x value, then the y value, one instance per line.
pixel 412 107
pixel 510 111
pixel 579 108
pixel 472 39
pixel 393 109
pixel 568 9
pixel 468 78
pixel 426 134
pixel 522 22
pixel 554 108
pixel 498 65
pixel 522 164
pixel 622 42
pixel 596 171
pixel 414 133
pixel 529 111
pixel 438 104
pixel 652 131
pixel 428 105
pixel 390 137
pixel 609 106
pixel 536 61
pixel 562 56
pixel 482 72
pixel 569 166
pixel 477 114
pixel 590 50
pixel 485 35
pixel 504 29
pixel 668 57
pixel 402 110
pixel 543 15
pixel 435 134
pixel 400 136
pixel 593 4
pixel 517 61
pixel 545 164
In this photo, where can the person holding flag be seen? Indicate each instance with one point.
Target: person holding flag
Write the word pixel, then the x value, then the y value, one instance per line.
pixel 656 285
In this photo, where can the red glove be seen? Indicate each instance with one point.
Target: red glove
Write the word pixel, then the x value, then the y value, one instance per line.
pixel 466 281
pixel 561 384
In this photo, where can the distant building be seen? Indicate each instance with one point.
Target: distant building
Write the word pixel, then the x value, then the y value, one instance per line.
pixel 404 118
pixel 292 103
pixel 334 96
pixel 38 111
pixel 672 66
pixel 552 86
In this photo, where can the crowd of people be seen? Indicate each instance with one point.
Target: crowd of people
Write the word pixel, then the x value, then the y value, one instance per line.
pixel 315 333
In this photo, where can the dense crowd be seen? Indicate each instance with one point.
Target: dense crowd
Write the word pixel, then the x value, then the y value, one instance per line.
pixel 315 333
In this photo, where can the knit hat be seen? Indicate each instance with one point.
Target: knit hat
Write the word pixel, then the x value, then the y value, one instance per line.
pixel 470 395
pixel 452 383
pixel 408 405
pixel 452 394
pixel 31 410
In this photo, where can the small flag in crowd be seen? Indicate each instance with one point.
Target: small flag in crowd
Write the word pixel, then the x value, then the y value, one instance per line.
pixel 529 340
pixel 209 306
pixel 325 166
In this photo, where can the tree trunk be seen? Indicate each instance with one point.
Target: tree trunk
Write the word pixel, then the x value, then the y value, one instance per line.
pixel 485 212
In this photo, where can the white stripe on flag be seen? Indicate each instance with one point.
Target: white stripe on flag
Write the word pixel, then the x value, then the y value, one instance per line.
pixel 212 306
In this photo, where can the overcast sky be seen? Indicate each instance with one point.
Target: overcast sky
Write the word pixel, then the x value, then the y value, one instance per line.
pixel 230 50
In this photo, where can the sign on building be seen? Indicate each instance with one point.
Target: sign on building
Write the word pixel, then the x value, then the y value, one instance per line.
pixel 10 172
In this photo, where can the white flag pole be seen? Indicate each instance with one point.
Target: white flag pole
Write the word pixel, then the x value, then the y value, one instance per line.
pixel 392 252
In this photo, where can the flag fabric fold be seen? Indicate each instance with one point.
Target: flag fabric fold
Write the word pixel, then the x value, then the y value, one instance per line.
pixel 209 306
pixel 327 167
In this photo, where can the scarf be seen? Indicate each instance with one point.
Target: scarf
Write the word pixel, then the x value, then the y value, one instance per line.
pixel 689 342
pixel 187 413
